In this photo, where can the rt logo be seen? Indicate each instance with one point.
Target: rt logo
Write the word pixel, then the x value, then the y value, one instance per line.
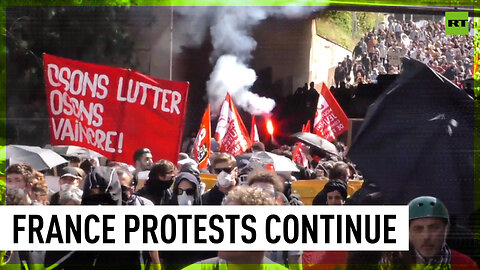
pixel 456 23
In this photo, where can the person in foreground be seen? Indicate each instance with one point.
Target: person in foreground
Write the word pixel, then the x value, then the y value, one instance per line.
pixel 429 224
pixel 231 260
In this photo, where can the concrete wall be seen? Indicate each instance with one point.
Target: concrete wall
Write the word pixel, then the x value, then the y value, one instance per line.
pixel 324 58
pixel 288 55
pixel 150 30
pixel 283 53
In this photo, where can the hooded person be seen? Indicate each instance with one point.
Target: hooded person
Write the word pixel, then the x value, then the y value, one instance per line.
pixel 186 190
pixel 102 187
pixel 338 181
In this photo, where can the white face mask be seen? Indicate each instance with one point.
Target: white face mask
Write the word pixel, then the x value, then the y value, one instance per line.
pixel 225 179
pixel 66 187
pixel 185 199
pixel 21 191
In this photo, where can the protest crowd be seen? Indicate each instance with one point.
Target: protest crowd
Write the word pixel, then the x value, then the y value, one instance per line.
pixel 239 181
pixel 245 175
pixel 380 51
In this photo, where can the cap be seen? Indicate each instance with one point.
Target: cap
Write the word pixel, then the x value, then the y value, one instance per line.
pixel 70 172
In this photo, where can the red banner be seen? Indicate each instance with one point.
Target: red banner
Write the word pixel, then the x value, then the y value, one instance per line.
pixel 231 134
pixel 330 120
pixel 254 131
pixel 202 144
pixel 113 111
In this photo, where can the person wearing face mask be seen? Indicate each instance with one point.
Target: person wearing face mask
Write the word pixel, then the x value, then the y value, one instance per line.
pixel 21 176
pixel 160 179
pixel 130 198
pixel 102 187
pixel 128 189
pixel 186 190
pixel 225 167
pixel 69 176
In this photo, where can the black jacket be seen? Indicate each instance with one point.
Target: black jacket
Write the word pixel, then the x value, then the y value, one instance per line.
pixel 213 197
pixel 156 194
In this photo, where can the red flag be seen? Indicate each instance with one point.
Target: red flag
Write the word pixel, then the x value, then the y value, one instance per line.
pixel 202 144
pixel 113 111
pixel 254 131
pixel 231 134
pixel 330 120
pixel 307 127
pixel 299 156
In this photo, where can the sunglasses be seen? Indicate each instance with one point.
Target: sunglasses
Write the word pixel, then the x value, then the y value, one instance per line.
pixel 219 170
pixel 189 191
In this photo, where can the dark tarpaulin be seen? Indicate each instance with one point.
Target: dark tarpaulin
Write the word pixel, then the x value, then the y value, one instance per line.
pixel 417 139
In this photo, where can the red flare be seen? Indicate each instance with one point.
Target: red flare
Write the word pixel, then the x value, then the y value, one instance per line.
pixel 270 127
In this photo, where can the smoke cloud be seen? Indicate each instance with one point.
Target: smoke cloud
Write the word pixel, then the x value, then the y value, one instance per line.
pixel 230 31
pixel 230 75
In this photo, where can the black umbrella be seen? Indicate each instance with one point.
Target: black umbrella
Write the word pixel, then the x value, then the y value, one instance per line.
pixel 417 139
pixel 317 142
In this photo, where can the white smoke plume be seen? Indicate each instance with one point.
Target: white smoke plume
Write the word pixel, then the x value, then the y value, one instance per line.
pixel 230 30
pixel 230 75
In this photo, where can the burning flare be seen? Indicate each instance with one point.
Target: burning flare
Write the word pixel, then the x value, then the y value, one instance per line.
pixel 270 127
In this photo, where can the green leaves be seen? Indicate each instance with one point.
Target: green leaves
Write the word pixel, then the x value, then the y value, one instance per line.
pixel 3 192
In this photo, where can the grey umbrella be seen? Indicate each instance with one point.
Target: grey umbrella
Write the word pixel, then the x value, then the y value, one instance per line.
pixel 75 151
pixel 317 142
pixel 39 158
pixel 280 163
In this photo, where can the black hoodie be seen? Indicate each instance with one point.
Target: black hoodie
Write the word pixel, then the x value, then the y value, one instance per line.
pixel 192 179
pixel 102 187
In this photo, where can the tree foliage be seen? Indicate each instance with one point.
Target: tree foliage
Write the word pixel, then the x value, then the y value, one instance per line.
pixel 365 22
pixel 3 192
pixel 342 19
pixel 339 26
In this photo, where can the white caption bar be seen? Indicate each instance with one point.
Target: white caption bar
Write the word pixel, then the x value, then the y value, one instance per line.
pixel 204 228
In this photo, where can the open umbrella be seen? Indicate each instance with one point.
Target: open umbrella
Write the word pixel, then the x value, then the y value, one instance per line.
pixel 75 151
pixel 280 163
pixel 317 142
pixel 418 139
pixel 39 158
